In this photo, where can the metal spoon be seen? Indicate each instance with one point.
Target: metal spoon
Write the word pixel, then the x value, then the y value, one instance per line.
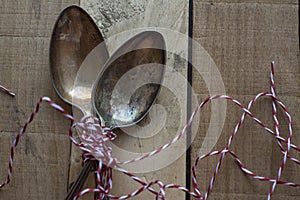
pixel 74 37
pixel 128 85
pixel 130 80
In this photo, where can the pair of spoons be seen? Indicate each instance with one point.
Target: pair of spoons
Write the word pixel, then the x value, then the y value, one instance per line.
pixel 119 89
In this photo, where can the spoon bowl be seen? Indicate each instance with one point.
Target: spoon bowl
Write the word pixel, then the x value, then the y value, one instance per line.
pixel 74 37
pixel 130 80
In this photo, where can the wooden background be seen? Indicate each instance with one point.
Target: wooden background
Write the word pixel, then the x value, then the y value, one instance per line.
pixel 242 38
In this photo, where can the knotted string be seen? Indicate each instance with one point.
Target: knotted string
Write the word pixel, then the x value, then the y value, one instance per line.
pixel 94 138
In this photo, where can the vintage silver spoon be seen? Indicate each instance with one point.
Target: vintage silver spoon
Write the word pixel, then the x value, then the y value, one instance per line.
pixel 74 37
pixel 140 63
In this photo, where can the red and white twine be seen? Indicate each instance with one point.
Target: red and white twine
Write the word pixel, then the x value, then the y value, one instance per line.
pixel 7 91
pixel 94 146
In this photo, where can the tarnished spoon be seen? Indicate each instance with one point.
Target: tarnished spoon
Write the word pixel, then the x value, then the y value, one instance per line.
pixel 128 84
pixel 74 37
pixel 130 80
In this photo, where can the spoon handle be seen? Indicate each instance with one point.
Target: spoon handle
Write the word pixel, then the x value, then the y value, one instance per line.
pixel 78 184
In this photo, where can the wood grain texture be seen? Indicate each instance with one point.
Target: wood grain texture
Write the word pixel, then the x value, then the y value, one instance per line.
pixel 242 38
pixel 115 17
pixel 41 159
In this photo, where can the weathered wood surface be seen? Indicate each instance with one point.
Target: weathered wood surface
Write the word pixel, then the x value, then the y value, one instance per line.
pixel 41 160
pixel 114 18
pixel 25 34
pixel 241 38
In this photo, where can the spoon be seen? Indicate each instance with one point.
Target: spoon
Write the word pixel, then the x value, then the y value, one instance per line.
pixel 130 81
pixel 128 85
pixel 74 37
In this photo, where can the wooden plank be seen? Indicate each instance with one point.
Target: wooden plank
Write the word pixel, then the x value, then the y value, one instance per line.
pixel 41 159
pixel 114 18
pixel 242 39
